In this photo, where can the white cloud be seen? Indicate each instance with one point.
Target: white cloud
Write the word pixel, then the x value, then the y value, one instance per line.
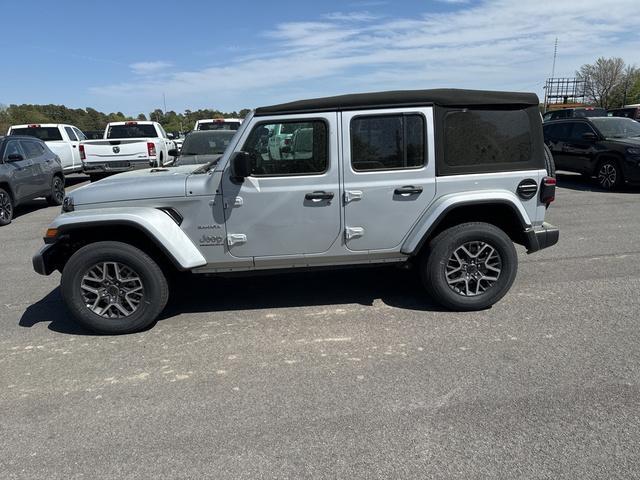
pixel 495 44
pixel 148 68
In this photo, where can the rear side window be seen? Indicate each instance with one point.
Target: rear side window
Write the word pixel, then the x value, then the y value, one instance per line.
pixel 32 149
pixel 71 133
pixel 480 141
pixel 46 134
pixel 387 142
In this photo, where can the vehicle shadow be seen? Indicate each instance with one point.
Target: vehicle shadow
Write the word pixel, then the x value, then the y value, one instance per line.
pixel 52 309
pixel 73 180
pixel 393 286
pixel 194 294
pixel 30 207
pixel 575 181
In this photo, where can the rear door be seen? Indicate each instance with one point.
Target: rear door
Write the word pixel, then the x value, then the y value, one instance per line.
pixel 42 166
pixel 290 206
pixel 555 137
pixel 74 143
pixel 388 175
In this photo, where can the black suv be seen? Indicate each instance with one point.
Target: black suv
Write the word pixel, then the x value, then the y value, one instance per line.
pixel 28 169
pixel 578 112
pixel 629 112
pixel 605 147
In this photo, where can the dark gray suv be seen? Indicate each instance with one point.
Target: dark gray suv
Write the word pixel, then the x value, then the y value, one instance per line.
pixel 28 169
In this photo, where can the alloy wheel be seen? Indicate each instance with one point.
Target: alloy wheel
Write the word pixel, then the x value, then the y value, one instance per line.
pixel 58 189
pixel 6 209
pixel 607 176
pixel 473 268
pixel 112 290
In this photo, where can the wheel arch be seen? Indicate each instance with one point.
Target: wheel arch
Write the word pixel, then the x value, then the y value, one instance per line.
pixel 500 212
pixel 618 158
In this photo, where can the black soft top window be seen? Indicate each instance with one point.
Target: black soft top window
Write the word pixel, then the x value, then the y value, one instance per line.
pixel 489 140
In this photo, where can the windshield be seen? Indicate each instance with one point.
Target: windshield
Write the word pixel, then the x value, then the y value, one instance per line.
pixel 46 134
pixel 132 131
pixel 207 143
pixel 616 127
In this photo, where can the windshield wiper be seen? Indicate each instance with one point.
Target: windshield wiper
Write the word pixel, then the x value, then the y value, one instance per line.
pixel 207 166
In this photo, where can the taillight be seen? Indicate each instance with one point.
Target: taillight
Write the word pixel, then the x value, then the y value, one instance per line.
pixel 151 149
pixel 83 155
pixel 548 190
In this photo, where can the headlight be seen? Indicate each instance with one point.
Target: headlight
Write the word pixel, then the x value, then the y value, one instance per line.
pixel 67 205
pixel 633 151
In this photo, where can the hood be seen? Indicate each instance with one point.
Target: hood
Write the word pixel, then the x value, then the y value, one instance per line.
pixel 628 142
pixel 196 159
pixel 135 185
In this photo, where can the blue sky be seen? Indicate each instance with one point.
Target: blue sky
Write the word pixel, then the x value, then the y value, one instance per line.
pixel 123 55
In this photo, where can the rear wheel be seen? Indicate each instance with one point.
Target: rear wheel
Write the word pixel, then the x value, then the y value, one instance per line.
pixel 56 197
pixel 114 288
pixel 469 267
pixel 6 207
pixel 609 175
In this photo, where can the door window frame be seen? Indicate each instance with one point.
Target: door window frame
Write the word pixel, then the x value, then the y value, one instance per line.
pixel 425 152
pixel 262 123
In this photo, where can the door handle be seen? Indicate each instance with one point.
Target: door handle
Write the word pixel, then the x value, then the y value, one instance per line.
pixel 319 196
pixel 408 190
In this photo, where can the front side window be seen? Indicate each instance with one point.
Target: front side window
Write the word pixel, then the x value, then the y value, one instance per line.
pixel 478 139
pixel 579 129
pixel 288 148
pixel 388 142
pixel 12 148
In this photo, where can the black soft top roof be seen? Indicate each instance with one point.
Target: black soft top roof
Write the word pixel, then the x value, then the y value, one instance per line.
pixel 446 97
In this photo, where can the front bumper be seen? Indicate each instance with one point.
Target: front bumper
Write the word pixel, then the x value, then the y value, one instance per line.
pixel 116 166
pixel 541 237
pixel 43 262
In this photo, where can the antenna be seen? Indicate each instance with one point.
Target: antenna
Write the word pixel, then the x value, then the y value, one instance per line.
pixel 555 56
pixel 164 97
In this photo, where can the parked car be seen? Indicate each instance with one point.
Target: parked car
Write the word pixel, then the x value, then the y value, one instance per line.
pixel 629 112
pixel 126 146
pixel 373 184
pixel 203 147
pixel 605 147
pixel 218 124
pixel 28 169
pixel 578 112
pixel 63 140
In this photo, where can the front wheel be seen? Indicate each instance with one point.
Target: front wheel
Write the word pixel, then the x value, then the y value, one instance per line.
pixel 469 267
pixel 114 288
pixel 609 175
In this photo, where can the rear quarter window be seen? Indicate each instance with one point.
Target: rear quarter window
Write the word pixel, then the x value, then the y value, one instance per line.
pixel 482 141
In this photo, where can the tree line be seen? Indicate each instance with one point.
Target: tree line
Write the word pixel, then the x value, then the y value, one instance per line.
pixel 91 119
pixel 610 83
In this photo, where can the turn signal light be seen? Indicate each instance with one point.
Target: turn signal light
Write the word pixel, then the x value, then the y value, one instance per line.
pixel 151 149
pixel 548 190
pixel 83 156
pixel 51 233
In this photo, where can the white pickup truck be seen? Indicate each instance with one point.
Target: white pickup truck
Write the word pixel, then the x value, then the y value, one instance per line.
pixel 63 140
pixel 127 146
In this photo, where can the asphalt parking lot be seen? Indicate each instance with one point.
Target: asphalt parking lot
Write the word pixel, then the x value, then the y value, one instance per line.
pixel 351 374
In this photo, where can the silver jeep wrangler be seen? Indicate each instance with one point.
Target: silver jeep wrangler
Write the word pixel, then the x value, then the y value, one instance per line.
pixel 448 180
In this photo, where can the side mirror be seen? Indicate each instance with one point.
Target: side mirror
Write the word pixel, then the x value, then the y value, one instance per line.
pixel 590 136
pixel 170 136
pixel 240 165
pixel 15 157
pixel 173 152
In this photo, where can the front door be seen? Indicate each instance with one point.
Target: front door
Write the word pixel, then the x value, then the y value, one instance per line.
pixel 579 150
pixel 389 175
pixel 290 204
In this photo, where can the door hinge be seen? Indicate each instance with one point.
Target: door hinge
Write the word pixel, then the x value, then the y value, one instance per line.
pixel 237 202
pixel 353 232
pixel 351 195
pixel 235 238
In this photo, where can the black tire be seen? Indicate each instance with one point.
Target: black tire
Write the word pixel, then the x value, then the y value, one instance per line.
pixel 154 296
pixel 609 174
pixel 436 260
pixel 549 162
pixel 6 207
pixel 56 197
